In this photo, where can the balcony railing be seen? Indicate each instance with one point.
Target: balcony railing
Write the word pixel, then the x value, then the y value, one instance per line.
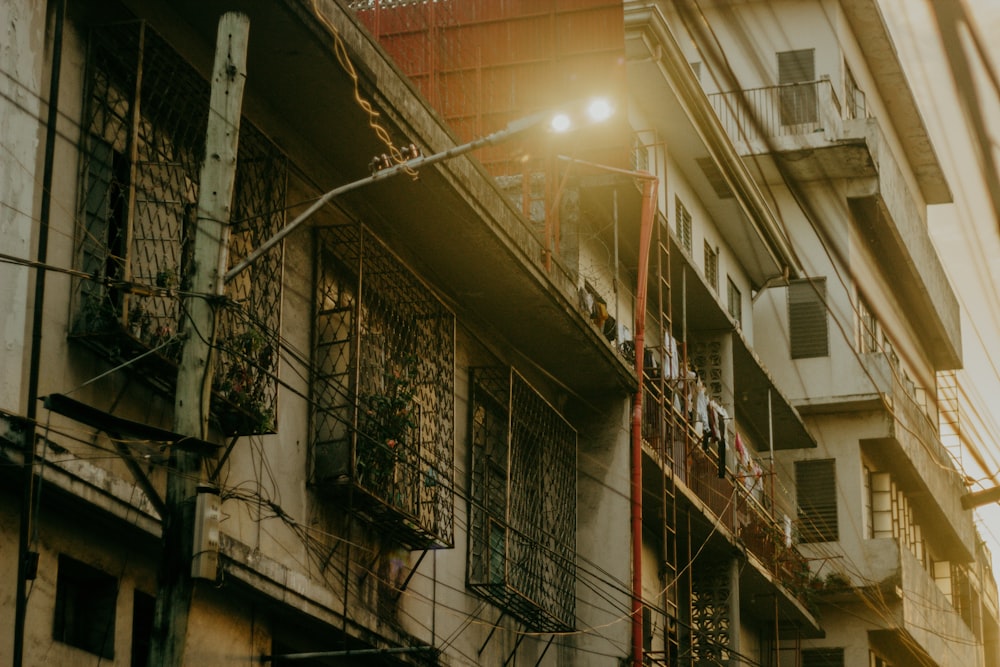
pixel 754 117
pixel 740 504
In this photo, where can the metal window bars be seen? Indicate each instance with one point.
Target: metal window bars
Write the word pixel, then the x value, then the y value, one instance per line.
pixel 383 389
pixel 145 117
pixel 522 535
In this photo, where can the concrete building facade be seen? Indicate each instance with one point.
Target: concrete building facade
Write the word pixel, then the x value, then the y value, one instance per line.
pixel 559 403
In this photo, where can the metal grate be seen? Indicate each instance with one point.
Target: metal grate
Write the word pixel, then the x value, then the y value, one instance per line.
pixel 711 624
pixel 522 536
pixel 383 389
pixel 146 113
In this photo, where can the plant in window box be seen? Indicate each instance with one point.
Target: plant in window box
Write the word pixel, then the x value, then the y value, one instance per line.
pixel 139 322
pixel 243 380
pixel 97 315
pixel 387 420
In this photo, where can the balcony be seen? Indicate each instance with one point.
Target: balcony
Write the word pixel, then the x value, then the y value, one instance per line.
pixel 740 503
pixel 805 134
pixel 909 445
pixel 925 623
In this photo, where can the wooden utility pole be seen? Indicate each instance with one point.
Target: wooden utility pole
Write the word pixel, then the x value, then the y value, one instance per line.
pixel 194 377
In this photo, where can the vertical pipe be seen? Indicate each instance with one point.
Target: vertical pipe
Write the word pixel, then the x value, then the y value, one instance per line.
pixel 614 213
pixel 645 233
pixel 34 364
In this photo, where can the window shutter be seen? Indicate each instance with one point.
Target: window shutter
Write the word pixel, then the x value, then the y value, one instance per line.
pixel 798 103
pixel 797 66
pixel 807 319
pixel 816 484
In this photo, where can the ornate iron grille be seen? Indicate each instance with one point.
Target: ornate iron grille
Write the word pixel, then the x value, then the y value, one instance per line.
pixel 522 533
pixel 146 114
pixel 383 389
pixel 710 620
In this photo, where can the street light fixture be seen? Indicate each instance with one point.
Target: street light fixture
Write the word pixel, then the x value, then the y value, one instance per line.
pixel 595 110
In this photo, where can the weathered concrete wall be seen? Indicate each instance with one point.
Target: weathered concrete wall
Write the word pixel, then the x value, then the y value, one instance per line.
pixel 22 67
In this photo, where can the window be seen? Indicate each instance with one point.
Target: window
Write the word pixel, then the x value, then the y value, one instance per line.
pixel 382 388
pixel 892 515
pixel 141 152
pixel 797 78
pixel 881 489
pixel 807 318
pixel 854 97
pixel 142 627
pixel 522 523
pixel 683 221
pixel 711 266
pixel 823 657
pixel 816 487
pixel 85 608
pixel 734 301
pixel 869 328
pixel 877 661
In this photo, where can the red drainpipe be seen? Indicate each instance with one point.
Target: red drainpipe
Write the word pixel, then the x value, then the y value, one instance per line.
pixel 649 200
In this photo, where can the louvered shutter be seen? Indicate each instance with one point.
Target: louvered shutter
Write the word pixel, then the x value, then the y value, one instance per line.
pixel 816 487
pixel 808 332
pixel 798 103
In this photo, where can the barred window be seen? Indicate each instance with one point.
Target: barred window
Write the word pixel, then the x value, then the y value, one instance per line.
pixel 142 145
pixel 383 389
pixel 522 533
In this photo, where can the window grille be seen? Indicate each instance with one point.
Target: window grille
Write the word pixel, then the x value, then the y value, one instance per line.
pixel 816 482
pixel 807 318
pixel 142 145
pixel 683 222
pixel 522 533
pixel 383 389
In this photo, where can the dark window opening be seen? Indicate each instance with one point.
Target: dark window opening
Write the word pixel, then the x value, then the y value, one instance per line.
pixel 85 608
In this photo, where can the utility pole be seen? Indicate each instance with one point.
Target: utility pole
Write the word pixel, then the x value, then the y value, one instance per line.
pixel 194 377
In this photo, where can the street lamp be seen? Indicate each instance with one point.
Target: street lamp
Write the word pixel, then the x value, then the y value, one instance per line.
pixel 561 120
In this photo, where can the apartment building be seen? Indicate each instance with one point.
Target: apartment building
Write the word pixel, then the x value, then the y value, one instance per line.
pixel 528 406
pixel 815 100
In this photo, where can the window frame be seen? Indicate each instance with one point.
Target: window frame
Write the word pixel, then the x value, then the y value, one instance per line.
pixel 85 610
pixel 684 227
pixel 712 266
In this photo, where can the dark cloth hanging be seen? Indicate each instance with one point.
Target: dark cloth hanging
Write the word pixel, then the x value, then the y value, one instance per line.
pixel 722 457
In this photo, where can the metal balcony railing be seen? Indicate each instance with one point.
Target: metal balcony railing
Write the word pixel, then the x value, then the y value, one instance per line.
pixel 740 504
pixel 755 116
